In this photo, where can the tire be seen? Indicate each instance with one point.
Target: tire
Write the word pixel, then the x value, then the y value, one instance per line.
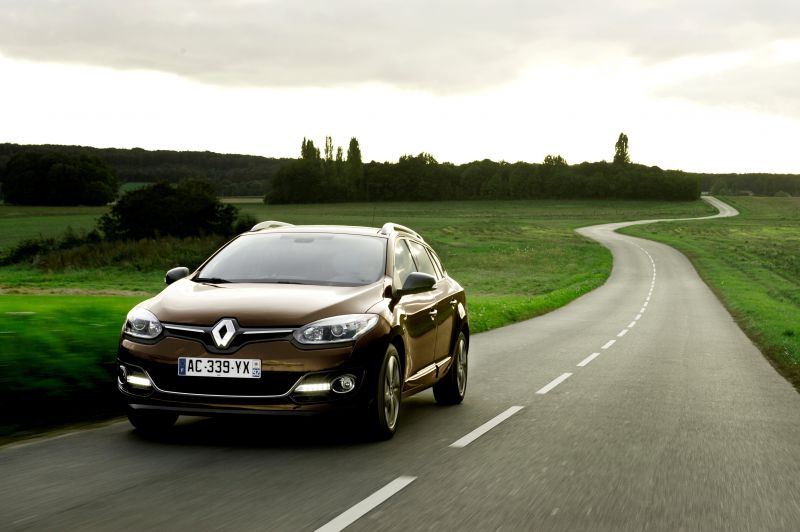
pixel 384 411
pixel 151 422
pixel 451 389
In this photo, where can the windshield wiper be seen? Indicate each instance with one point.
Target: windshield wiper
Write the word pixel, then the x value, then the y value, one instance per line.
pixel 212 280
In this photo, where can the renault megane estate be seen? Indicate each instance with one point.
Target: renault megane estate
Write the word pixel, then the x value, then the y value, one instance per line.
pixel 298 319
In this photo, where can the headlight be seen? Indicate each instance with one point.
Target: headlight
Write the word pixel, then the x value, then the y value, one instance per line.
pixel 142 323
pixel 337 329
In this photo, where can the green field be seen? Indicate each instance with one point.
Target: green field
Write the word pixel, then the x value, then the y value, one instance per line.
pixel 20 223
pixel 516 259
pixel 752 262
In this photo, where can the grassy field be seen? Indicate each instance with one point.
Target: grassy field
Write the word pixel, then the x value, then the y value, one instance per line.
pixel 516 259
pixel 20 223
pixel 752 262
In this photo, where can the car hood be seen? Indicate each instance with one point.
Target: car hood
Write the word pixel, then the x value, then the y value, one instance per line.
pixel 260 304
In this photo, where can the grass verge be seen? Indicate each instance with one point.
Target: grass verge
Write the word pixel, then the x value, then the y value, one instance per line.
pixel 752 262
pixel 58 358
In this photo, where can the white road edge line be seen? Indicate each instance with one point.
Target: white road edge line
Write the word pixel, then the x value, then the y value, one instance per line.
pixel 622 333
pixel 350 516
pixel 588 359
pixel 555 382
pixel 486 427
pixel 608 344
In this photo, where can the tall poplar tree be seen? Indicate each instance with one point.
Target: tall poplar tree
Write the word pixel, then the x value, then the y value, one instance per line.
pixel 621 155
pixel 355 170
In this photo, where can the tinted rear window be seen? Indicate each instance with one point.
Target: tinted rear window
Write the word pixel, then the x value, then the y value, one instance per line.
pixel 304 258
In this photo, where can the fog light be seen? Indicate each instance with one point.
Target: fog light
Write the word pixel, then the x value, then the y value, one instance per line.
pixel 344 384
pixel 313 387
pixel 138 381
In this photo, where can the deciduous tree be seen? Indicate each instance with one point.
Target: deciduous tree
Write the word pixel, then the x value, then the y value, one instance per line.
pixel 621 155
pixel 554 160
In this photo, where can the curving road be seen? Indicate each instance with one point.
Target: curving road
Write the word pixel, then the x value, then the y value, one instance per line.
pixel 639 406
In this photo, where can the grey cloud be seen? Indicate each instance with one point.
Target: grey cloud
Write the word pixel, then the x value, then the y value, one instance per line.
pixel 442 46
pixel 759 87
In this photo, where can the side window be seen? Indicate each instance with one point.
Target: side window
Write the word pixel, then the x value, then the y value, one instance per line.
pixel 422 259
pixel 403 264
pixel 436 262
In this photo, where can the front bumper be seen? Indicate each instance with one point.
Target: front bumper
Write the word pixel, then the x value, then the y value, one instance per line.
pixel 284 366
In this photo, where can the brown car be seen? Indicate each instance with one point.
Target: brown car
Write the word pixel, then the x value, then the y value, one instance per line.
pixel 298 319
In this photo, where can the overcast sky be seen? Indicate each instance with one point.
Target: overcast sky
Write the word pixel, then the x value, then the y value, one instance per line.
pixel 696 85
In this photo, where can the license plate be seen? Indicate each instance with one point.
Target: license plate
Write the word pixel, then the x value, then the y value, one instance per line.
pixel 237 368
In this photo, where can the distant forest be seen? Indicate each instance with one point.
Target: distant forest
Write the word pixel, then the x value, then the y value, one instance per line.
pixel 229 174
pixel 751 184
pixel 334 176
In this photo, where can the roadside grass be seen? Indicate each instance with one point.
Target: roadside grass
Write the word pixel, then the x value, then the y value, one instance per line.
pixel 516 259
pixel 24 279
pixel 752 262
pixel 57 358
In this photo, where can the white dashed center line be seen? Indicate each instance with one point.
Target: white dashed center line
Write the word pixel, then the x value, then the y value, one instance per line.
pixel 555 382
pixel 588 359
pixel 486 427
pixel 631 324
pixel 638 317
pixel 350 516
pixel 608 344
pixel 622 333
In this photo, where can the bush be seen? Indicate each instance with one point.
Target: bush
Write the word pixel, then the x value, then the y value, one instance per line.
pixel 244 223
pixel 189 209
pixel 58 179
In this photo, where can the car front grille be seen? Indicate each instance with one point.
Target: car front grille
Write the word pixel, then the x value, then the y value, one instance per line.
pixel 242 337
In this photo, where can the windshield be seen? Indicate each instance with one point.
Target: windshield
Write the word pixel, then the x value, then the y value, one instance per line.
pixel 301 258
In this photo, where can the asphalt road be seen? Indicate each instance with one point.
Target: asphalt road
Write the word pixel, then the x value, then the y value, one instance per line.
pixel 640 406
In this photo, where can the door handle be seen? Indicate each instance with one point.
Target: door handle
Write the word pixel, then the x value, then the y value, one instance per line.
pixel 433 314
pixel 454 302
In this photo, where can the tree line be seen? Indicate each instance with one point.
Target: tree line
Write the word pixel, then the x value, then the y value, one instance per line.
pixel 335 174
pixel 58 179
pixel 755 184
pixel 229 174
pixel 317 179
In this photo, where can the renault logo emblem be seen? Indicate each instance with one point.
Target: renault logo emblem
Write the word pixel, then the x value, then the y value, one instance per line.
pixel 223 332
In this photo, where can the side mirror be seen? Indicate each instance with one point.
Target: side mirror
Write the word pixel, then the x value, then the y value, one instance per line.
pixel 417 282
pixel 176 274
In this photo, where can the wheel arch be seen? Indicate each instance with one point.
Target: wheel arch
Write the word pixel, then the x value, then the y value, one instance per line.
pixel 399 343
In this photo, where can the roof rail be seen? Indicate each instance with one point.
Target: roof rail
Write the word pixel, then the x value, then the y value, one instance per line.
pixel 270 224
pixel 389 227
